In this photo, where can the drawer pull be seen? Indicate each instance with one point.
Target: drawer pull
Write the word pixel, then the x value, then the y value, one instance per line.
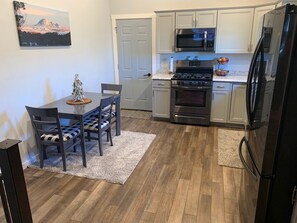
pixel 160 84
pixel 220 86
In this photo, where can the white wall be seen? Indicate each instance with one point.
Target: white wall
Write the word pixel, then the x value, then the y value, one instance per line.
pixel 36 76
pixel 148 6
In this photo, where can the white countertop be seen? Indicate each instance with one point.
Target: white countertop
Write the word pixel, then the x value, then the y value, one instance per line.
pixel 232 76
pixel 162 76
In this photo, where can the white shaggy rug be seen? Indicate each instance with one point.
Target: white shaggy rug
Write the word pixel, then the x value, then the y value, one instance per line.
pixel 116 164
pixel 228 144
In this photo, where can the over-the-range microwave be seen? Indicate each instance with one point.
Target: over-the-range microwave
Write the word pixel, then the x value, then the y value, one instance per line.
pixel 196 39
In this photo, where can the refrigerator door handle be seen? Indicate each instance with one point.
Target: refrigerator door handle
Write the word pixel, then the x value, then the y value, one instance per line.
pixel 251 170
pixel 254 171
pixel 294 195
pixel 258 50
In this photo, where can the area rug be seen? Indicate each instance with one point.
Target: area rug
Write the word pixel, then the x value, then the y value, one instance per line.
pixel 228 143
pixel 116 164
pixel 136 114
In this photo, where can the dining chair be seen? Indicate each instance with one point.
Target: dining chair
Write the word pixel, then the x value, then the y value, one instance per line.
pixel 113 89
pixel 49 132
pixel 96 125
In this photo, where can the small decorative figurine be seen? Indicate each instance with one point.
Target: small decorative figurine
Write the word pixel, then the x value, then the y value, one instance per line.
pixel 78 93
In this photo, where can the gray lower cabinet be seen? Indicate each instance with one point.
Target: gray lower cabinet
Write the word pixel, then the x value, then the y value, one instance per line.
pixel 228 103
pixel 221 95
pixel 161 98
pixel 237 114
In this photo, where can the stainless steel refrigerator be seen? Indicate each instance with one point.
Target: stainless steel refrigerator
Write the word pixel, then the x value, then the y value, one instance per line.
pixel 269 149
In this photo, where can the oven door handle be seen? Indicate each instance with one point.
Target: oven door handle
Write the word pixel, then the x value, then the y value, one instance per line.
pixel 192 88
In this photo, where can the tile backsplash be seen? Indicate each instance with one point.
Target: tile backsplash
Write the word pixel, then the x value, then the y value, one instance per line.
pixel 237 62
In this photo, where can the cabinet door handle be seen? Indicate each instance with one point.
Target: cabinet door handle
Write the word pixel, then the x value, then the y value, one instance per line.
pixel 193 23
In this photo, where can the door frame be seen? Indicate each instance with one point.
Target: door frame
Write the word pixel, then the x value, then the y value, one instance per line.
pixel 114 19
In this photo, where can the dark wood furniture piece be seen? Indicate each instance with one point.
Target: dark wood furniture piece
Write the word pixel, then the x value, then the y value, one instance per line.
pixel 114 89
pixel 97 125
pixel 81 112
pixel 49 132
pixel 13 189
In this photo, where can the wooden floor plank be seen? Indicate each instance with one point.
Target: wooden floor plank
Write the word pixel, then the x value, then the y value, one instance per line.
pixel 192 202
pixel 179 202
pixel 164 208
pixel 72 207
pixel 204 211
pixel 217 203
pixel 90 202
pixel 46 208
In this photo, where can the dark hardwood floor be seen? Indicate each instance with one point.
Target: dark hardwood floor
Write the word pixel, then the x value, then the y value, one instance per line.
pixel 177 180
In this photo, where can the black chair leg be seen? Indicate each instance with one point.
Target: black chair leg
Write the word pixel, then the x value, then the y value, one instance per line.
pixel 83 153
pixel 41 157
pixel 74 147
pixel 109 133
pixel 43 152
pixel 100 145
pixel 63 158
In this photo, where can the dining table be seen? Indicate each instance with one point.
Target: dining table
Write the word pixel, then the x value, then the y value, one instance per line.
pixel 81 111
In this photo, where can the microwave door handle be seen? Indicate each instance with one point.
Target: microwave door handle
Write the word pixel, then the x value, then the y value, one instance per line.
pixel 205 40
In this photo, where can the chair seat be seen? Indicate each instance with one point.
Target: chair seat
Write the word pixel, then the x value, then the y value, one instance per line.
pixel 69 132
pixel 91 123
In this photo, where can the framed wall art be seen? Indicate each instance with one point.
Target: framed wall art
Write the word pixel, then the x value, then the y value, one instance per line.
pixel 38 26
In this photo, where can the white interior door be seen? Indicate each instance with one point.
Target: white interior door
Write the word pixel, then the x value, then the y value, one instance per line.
pixel 134 41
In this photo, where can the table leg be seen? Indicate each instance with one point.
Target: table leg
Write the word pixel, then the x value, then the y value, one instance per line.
pixel 118 118
pixel 83 149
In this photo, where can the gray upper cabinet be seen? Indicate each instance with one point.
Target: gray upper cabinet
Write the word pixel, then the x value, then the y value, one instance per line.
pixel 165 32
pixel 234 30
pixel 196 19
pixel 257 24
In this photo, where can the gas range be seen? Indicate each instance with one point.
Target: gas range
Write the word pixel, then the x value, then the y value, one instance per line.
pixel 192 78
pixel 191 89
pixel 193 73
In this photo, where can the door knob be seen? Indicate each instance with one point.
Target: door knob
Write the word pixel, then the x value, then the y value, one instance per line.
pixel 147 75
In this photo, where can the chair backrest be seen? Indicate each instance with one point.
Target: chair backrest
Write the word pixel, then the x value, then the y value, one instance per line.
pixel 105 108
pixel 111 88
pixel 45 121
